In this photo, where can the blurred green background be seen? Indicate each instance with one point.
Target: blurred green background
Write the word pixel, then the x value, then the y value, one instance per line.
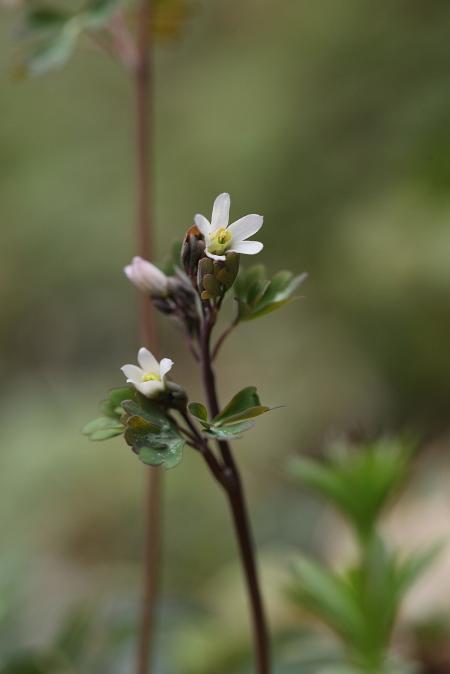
pixel 331 119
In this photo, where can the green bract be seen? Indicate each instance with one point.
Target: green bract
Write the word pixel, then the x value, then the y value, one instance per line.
pixel 235 417
pixel 257 296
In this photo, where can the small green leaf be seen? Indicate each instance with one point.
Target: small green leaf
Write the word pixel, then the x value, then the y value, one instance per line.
pixel 249 413
pixel 415 565
pixel 103 428
pixel 328 596
pixel 147 409
pixel 53 52
pixel 98 12
pixel 242 401
pixel 257 296
pixel 233 432
pixel 169 454
pixel 41 22
pixel 199 411
pixel 112 406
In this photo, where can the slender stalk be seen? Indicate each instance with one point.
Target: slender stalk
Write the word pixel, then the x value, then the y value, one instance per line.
pixel 233 486
pixel 142 80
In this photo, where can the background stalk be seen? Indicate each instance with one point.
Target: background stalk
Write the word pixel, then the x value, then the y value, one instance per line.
pixel 142 82
pixel 233 487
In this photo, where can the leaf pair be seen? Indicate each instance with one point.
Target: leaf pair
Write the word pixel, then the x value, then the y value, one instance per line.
pixel 257 296
pixel 235 417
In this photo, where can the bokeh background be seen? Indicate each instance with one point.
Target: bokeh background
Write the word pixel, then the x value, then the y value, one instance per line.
pixel 331 119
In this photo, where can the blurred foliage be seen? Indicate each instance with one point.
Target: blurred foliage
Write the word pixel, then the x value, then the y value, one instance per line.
pixel 360 604
pixel 49 34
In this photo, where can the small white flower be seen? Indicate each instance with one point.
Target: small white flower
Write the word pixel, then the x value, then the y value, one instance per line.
pixel 221 238
pixel 147 277
pixel 149 378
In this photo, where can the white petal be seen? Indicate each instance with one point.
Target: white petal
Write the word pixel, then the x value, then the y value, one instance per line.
pixel 221 212
pixel 149 388
pixel 164 367
pixel 203 224
pixel 247 247
pixel 215 257
pixel 147 361
pixel 133 373
pixel 245 227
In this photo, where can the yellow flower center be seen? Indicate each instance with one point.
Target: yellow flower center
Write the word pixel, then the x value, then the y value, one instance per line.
pixel 219 242
pixel 151 377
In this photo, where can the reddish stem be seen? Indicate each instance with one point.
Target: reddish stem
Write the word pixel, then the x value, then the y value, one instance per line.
pixel 142 77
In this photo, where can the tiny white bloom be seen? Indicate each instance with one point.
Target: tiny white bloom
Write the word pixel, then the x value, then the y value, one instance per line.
pixel 147 277
pixel 150 377
pixel 221 238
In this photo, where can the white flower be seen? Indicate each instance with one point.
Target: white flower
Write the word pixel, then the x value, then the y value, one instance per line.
pixel 149 378
pixel 147 277
pixel 221 238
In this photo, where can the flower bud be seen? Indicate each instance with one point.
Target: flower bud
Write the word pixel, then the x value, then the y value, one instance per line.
pixel 192 250
pixel 147 277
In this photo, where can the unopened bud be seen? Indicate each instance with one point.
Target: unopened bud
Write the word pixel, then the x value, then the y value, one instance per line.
pixel 147 277
pixel 192 250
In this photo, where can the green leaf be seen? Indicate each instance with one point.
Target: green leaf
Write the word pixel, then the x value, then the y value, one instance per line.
pixel 152 436
pixel 415 565
pixel 147 409
pixel 53 52
pixel 112 406
pixel 249 413
pixel 169 454
pixel 257 296
pixel 103 428
pixel 199 411
pixel 327 596
pixel 39 22
pixel 357 481
pixel 245 399
pixel 233 432
pixel 98 12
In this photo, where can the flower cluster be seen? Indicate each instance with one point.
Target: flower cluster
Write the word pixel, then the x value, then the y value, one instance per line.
pixel 190 289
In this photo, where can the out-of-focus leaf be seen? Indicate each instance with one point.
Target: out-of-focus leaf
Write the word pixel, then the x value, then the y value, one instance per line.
pixel 103 428
pixel 328 596
pixel 38 22
pixel 358 481
pixel 409 570
pixel 98 12
pixel 53 52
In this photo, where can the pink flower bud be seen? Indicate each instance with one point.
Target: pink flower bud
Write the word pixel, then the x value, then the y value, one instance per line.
pixel 147 277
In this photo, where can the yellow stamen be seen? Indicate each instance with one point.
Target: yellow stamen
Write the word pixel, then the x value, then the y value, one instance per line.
pixel 151 377
pixel 220 241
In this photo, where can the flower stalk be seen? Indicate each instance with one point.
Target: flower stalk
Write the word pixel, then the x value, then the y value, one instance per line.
pixel 233 486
